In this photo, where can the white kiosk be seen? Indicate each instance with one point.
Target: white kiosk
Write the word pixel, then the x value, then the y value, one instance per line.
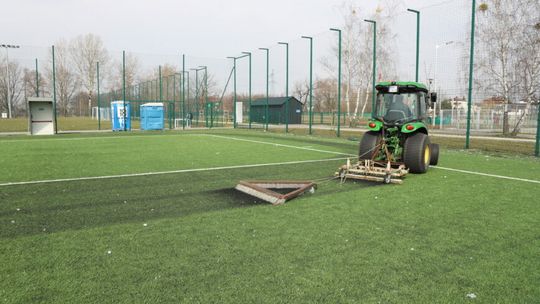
pixel 41 120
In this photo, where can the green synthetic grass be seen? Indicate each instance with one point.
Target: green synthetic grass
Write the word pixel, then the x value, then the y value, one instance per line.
pixel 434 239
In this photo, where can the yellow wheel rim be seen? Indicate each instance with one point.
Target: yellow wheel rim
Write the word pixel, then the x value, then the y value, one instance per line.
pixel 427 155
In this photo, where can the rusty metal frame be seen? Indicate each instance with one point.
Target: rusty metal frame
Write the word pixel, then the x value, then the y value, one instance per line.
pixel 261 189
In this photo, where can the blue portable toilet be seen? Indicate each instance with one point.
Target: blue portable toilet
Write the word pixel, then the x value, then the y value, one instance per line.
pixel 152 115
pixel 117 116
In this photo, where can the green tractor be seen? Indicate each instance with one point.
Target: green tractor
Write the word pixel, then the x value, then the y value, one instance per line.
pixel 397 141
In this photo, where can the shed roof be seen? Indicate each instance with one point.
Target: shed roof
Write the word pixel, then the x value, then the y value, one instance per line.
pixel 273 101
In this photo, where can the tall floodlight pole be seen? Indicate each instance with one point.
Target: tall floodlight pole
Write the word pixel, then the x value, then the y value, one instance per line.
pixel 373 65
pixel 267 78
pixel 417 40
pixel 234 90
pixel 98 97
pixel 339 80
pixel 471 63
pixel 286 85
pixel 249 56
pixel 7 47
pixel 310 82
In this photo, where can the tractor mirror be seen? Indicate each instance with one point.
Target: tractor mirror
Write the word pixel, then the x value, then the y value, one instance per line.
pixel 433 97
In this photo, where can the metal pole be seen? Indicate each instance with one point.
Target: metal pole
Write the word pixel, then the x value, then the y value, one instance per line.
pixel 339 80
pixel 471 63
pixel 537 149
pixel 124 87
pixel 98 97
pixel 267 78
pixel 183 92
pixel 286 85
pixel 187 96
pixel 160 85
pixel 374 65
pixel 54 90
pixel 310 83
pixel 174 97
pixel 417 40
pixel 234 90
pixel 249 55
pixel 197 97
pixel 37 79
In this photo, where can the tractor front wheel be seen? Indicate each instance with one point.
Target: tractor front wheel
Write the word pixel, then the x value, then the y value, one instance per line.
pixel 417 153
pixel 368 145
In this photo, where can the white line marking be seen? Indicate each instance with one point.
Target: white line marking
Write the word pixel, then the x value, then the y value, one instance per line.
pixel 325 151
pixel 490 175
pixel 278 145
pixel 169 172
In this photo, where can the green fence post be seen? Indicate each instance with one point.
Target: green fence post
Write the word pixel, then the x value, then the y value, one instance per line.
pixel 124 87
pixel 249 55
pixel 339 80
pixel 286 85
pixel 417 40
pixel 310 110
pixel 174 96
pixel 537 149
pixel 234 90
pixel 183 92
pixel 98 97
pixel 373 64
pixel 54 90
pixel 267 87
pixel 471 62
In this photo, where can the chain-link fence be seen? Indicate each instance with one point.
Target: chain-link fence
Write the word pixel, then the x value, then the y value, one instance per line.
pixel 327 77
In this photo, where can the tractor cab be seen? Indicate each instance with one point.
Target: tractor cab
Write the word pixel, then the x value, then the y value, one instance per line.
pixel 398 103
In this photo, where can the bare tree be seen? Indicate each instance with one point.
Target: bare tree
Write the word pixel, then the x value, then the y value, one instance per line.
pixel 15 84
pixel 66 78
pixel 86 51
pixel 325 94
pixel 131 75
pixel 358 51
pixel 509 44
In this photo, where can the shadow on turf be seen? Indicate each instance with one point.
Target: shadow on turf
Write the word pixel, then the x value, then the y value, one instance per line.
pixel 60 207
pixel 111 210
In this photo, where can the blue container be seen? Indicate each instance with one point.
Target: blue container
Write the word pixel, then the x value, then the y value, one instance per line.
pixel 152 115
pixel 117 113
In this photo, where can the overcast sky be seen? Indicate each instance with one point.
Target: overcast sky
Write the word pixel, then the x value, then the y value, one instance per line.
pixel 211 28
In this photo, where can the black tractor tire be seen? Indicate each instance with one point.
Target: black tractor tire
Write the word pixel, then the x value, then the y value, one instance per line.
pixel 434 154
pixel 367 145
pixel 416 153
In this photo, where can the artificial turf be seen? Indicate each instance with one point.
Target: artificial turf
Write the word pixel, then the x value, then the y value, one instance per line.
pixel 188 237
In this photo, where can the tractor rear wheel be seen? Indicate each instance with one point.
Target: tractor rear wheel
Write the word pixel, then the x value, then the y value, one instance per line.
pixel 417 153
pixel 434 154
pixel 368 145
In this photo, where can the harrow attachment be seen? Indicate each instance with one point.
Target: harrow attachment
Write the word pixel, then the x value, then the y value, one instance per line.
pixel 370 170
